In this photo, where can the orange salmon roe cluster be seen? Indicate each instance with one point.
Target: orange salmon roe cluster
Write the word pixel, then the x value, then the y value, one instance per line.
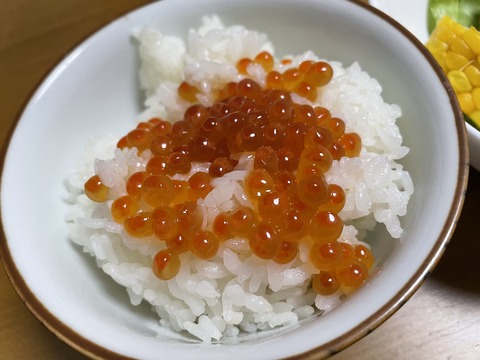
pixel 294 145
pixel 302 80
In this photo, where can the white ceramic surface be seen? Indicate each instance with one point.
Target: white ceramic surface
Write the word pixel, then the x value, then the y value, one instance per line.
pixel 413 15
pixel 94 91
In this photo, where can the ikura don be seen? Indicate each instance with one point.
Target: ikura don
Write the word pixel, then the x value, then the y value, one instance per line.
pixel 291 145
pixel 244 196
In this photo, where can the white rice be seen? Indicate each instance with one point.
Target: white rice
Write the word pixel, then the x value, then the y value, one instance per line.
pixel 235 291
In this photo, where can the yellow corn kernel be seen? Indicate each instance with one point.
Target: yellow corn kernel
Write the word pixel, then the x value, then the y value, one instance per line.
pixel 476 98
pixel 460 47
pixel 440 57
pixel 459 81
pixel 475 116
pixel 472 39
pixel 455 61
pixel 445 34
pixel 455 27
pixel 434 44
pixel 466 102
pixel 473 74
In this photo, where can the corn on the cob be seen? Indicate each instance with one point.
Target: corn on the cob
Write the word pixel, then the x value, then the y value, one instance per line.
pixel 457 50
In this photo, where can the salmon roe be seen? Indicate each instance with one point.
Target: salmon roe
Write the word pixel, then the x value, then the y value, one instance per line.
pixel 166 264
pixel 293 145
pixel 95 189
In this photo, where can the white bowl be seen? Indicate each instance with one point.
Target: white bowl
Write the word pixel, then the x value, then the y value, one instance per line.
pixel 95 90
pixel 474 145
pixel 413 15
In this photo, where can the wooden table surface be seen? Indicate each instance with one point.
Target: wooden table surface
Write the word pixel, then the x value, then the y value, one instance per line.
pixel 440 321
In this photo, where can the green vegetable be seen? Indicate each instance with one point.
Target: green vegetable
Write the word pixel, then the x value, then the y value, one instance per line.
pixel 465 12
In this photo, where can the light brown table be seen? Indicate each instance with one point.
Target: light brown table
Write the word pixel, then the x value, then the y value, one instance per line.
pixel 440 321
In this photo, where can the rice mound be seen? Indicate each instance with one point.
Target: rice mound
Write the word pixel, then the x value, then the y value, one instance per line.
pixel 236 292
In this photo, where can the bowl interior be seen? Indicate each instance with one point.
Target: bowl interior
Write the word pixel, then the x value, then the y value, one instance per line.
pixel 94 91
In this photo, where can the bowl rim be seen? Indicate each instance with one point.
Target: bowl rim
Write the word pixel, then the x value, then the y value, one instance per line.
pixel 93 350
